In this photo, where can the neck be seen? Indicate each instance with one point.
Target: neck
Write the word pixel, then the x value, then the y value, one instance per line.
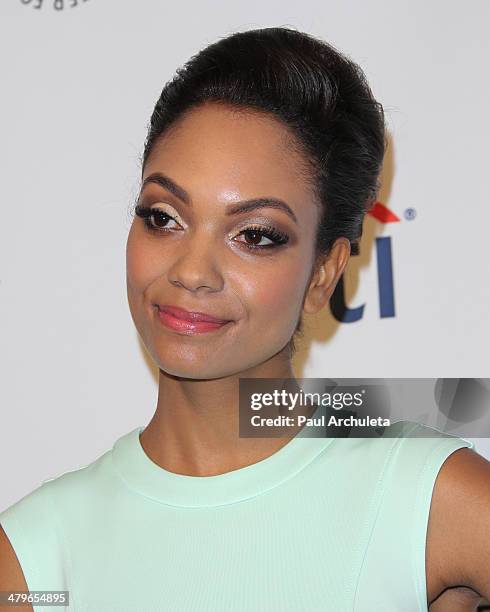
pixel 195 428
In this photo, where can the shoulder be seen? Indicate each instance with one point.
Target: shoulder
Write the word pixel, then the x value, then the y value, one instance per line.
pixel 29 543
pixel 401 468
pixel 70 487
pixel 458 538
pixel 32 530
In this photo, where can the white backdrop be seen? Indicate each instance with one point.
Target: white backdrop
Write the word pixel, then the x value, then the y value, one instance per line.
pixel 78 88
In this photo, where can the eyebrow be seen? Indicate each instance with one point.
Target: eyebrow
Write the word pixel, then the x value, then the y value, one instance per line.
pixel 237 208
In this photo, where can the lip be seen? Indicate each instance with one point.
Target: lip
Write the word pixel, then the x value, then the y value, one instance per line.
pixel 188 322
pixel 190 315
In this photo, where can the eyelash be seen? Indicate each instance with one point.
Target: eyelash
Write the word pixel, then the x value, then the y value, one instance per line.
pixel 279 238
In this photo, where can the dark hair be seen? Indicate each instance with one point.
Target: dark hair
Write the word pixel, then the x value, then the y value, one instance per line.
pixel 319 93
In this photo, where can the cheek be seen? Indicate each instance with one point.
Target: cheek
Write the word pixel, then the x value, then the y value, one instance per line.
pixel 138 263
pixel 276 292
pixel 139 275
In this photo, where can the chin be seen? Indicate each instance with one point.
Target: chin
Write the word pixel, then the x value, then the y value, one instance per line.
pixel 194 373
pixel 197 366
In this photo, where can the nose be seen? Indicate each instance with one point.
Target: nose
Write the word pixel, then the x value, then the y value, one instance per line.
pixel 195 265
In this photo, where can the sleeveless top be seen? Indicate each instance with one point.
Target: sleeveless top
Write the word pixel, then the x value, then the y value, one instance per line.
pixel 323 524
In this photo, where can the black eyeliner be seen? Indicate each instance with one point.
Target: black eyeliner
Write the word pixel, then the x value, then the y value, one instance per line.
pixel 279 238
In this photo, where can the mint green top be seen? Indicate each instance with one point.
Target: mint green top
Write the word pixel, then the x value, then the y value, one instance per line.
pixel 323 524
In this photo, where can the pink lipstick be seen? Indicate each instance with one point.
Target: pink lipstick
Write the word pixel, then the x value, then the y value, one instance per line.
pixel 187 321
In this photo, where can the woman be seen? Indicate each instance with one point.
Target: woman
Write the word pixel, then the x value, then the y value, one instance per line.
pixel 262 157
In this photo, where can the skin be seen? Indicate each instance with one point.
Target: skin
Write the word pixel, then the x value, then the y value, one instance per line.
pixel 220 157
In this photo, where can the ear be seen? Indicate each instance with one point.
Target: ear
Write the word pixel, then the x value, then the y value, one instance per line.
pixel 326 275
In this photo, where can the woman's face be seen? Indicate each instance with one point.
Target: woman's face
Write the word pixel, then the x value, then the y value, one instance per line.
pixel 201 259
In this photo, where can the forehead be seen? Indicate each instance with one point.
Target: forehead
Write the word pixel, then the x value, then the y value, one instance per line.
pixel 216 149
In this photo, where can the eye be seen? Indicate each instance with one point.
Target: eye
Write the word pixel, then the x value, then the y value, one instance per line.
pixel 258 233
pixel 155 219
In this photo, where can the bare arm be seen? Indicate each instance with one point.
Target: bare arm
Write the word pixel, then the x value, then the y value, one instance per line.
pixel 11 574
pixel 458 537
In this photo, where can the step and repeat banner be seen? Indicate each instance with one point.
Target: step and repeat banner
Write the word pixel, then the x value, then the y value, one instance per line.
pixel 79 82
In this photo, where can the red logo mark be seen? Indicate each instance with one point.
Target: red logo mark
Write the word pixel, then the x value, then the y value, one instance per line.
pixel 382 213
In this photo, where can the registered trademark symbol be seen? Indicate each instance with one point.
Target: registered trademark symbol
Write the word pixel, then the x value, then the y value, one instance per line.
pixel 409 214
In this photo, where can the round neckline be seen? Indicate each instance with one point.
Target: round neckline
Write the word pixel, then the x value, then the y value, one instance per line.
pixel 147 478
